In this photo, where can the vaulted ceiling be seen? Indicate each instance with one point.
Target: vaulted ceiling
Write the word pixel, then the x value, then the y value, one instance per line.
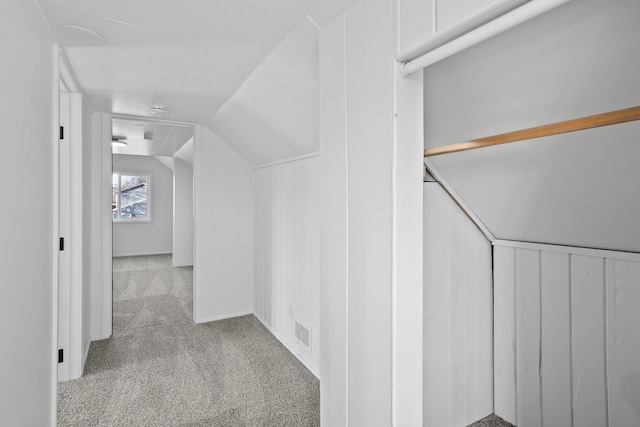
pixel 250 61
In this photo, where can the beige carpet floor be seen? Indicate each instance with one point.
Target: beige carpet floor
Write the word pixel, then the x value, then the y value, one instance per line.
pixel 492 421
pixel 160 369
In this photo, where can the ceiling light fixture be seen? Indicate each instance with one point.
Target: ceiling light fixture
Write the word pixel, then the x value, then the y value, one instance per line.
pixel 148 137
pixel 78 35
pixel 157 109
pixel 118 142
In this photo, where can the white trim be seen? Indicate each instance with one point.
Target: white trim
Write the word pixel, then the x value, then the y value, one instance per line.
pixel 142 254
pixel 149 199
pixel 225 316
pixel 55 118
pixel 288 347
pixel 574 250
pixel 66 74
pixel 289 160
pixel 431 169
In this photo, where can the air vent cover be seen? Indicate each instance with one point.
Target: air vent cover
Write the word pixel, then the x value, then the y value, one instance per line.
pixel 303 334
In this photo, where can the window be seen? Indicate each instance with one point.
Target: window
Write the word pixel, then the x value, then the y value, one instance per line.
pixel 130 200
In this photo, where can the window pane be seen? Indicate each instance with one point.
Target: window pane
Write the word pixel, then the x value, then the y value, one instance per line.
pixel 133 196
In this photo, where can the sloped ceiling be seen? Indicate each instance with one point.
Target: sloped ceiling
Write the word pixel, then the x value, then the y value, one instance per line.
pixel 275 113
pixel 192 57
pixel 577 189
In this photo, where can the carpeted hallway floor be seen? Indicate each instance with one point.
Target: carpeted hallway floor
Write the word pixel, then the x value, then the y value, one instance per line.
pixel 160 369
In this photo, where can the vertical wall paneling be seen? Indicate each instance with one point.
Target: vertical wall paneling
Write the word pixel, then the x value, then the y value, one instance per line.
pixel 577 342
pixel 436 311
pixel 529 405
pixel 286 266
pixel 458 307
pixel 623 342
pixel 556 339
pixel 587 311
pixel 505 332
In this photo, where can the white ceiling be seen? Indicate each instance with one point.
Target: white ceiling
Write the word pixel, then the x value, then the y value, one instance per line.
pixel 162 139
pixel 191 57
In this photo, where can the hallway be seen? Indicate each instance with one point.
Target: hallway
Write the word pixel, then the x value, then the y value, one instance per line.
pixel 160 369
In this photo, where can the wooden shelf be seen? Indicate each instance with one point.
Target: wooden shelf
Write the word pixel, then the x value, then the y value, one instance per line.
pixel 589 122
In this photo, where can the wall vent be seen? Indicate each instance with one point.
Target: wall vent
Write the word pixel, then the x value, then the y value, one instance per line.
pixel 303 334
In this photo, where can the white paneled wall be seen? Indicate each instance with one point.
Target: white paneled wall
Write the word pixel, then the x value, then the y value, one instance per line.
pixel 286 254
pixel 567 341
pixel 458 347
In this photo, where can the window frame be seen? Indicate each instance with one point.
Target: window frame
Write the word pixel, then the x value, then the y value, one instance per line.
pixel 120 220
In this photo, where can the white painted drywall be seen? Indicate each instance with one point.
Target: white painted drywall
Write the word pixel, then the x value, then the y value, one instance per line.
pixel 372 170
pixel 287 253
pixel 223 229
pixel 577 60
pixel 26 265
pixel 458 315
pixel 566 336
pixel 146 237
pixel 182 213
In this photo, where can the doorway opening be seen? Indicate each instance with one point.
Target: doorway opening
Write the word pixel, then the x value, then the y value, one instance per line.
pixel 152 214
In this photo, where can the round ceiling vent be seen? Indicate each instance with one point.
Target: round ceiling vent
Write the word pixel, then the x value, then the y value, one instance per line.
pixel 80 36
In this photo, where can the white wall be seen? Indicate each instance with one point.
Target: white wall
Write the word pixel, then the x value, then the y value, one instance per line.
pixel 146 237
pixel 286 253
pixel 182 213
pixel 458 315
pixel 26 266
pixel 223 229
pixel 567 343
pixel 371 233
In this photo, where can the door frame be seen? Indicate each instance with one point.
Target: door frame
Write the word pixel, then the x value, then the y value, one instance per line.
pixel 107 236
pixel 69 225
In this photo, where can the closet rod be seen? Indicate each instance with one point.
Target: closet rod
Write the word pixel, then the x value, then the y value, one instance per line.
pixel 589 122
pixel 432 52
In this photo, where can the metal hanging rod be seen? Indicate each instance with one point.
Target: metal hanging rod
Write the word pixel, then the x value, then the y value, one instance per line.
pixel 478 29
pixel 589 122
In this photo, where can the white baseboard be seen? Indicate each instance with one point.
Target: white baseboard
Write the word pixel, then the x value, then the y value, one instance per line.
pixel 141 254
pixel 223 317
pixel 288 347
